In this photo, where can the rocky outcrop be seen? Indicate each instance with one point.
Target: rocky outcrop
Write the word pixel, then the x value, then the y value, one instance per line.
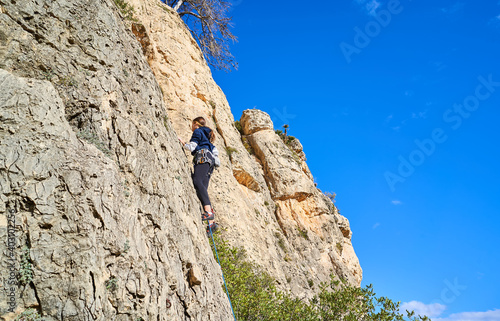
pixel 295 145
pixel 91 168
pixel 300 207
pixel 254 120
pixel 282 167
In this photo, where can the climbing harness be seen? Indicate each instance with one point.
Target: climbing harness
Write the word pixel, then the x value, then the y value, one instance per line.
pixel 223 279
pixel 204 156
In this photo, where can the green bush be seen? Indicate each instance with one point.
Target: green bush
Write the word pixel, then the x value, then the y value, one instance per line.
pixel 238 126
pixel 254 296
pixel 281 241
pixel 339 247
pixel 93 139
pixel 247 145
pixel 25 269
pixel 253 291
pixel 338 301
pixel 111 284
pixel 126 247
pixel 287 139
pixel 29 315
pixel 303 233
pixel 126 10
pixel 230 151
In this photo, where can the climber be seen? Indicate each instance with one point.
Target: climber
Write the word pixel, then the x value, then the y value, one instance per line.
pixel 206 157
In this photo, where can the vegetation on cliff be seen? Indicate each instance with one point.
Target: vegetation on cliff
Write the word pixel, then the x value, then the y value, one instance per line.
pixel 254 296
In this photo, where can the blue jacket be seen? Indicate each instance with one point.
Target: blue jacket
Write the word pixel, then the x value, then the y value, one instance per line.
pixel 201 136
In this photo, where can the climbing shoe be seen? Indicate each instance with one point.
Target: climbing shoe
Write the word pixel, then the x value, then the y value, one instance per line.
pixel 212 228
pixel 207 216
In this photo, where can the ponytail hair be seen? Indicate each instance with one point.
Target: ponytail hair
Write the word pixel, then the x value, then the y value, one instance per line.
pixel 201 122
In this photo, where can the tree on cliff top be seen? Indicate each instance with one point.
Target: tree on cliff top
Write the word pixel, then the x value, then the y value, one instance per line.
pixel 209 24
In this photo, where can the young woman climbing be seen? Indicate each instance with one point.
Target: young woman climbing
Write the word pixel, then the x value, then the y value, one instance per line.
pixel 206 157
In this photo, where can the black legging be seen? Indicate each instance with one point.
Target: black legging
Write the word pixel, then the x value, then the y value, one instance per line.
pixel 201 177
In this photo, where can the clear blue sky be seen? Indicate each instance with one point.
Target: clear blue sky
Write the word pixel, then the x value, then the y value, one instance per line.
pixel 367 79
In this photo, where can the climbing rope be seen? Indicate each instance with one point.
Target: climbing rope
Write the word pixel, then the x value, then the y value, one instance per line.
pixel 218 261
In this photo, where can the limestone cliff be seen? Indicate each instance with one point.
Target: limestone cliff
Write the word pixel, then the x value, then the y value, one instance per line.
pixel 264 195
pixel 100 190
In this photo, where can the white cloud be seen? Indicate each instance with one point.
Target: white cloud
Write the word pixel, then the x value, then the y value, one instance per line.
pixel 397 202
pixel 430 310
pixel 434 310
pixel 376 225
pixel 492 315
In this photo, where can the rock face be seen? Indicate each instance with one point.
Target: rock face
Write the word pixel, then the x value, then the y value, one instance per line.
pixel 100 189
pixel 282 166
pixel 263 193
pixel 92 171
